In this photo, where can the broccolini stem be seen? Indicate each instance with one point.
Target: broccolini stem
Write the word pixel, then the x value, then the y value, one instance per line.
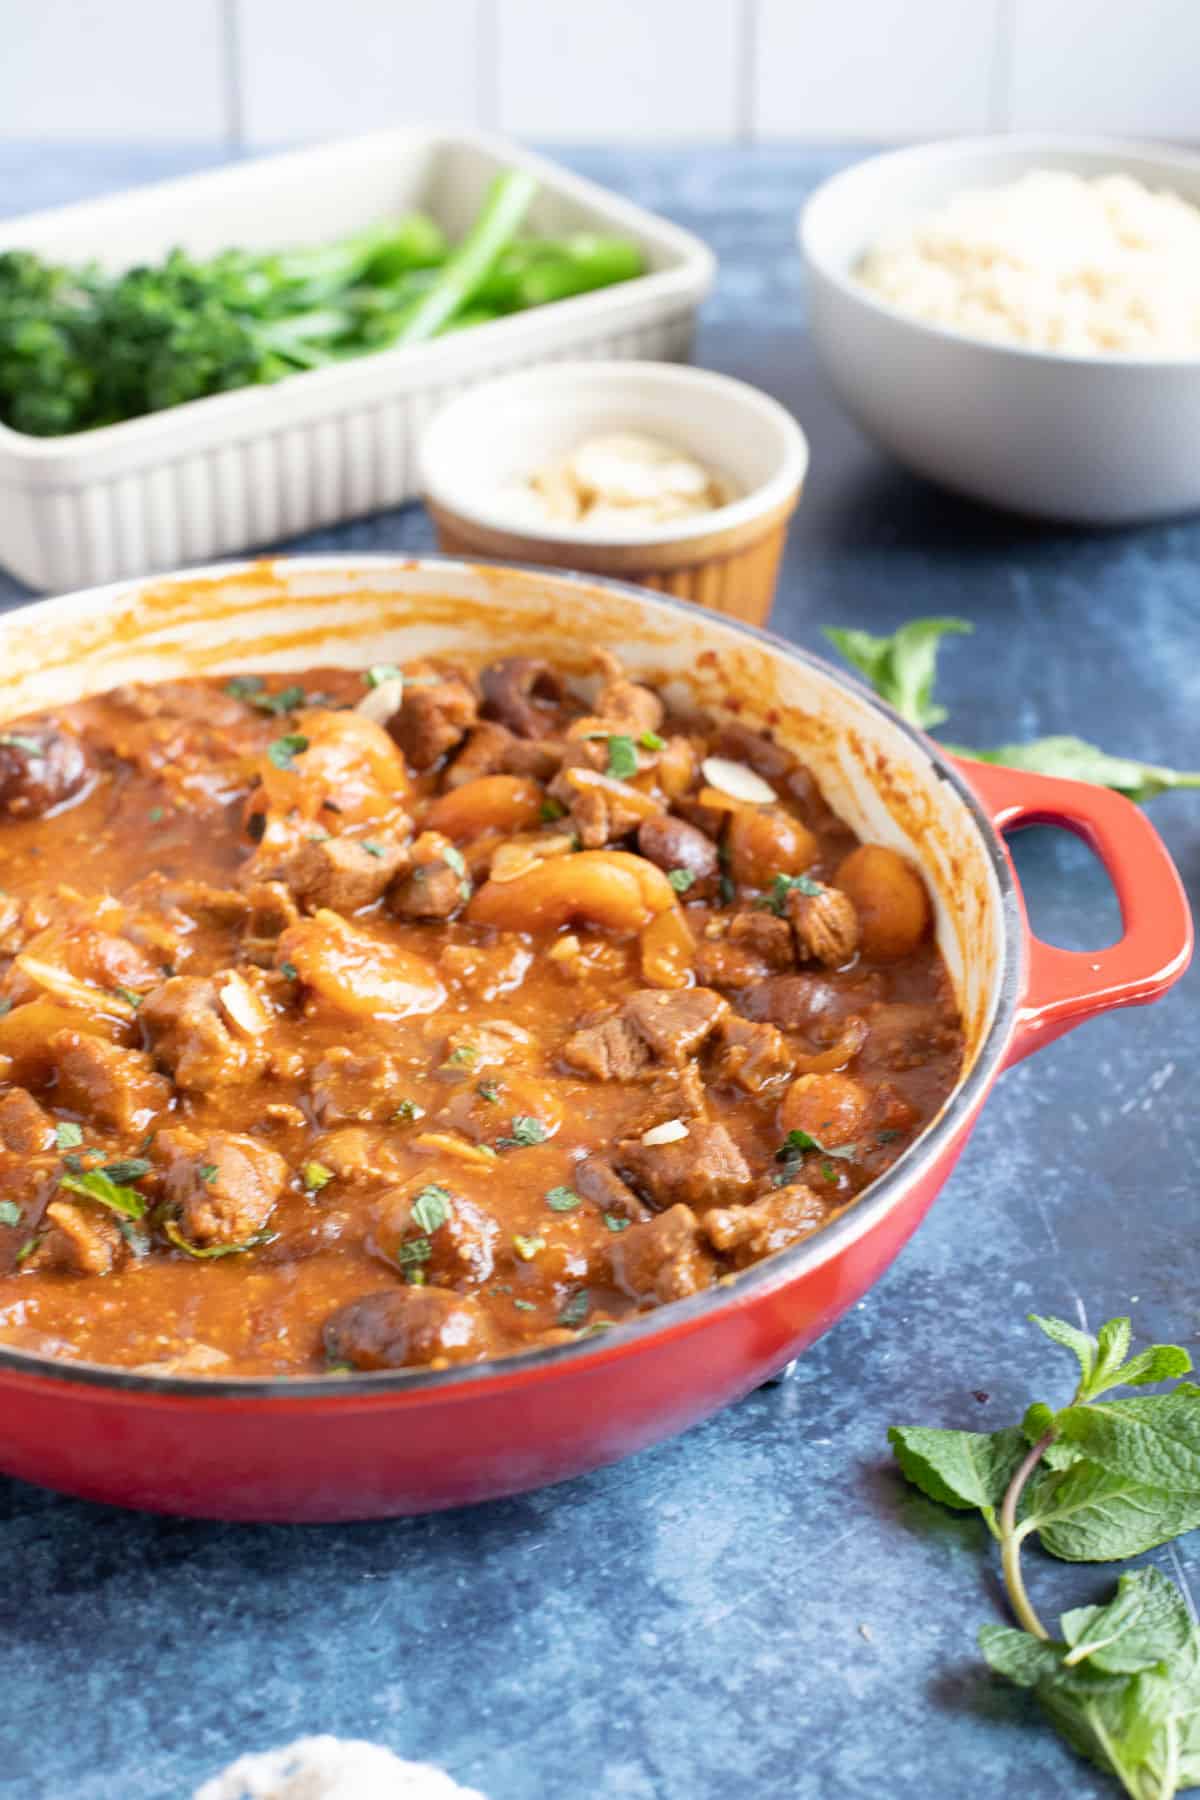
pixel 468 267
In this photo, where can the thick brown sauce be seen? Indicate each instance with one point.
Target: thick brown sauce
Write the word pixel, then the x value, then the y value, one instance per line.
pixel 176 773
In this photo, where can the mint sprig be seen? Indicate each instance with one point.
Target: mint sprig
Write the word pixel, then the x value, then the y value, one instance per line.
pixel 1103 1478
pixel 902 669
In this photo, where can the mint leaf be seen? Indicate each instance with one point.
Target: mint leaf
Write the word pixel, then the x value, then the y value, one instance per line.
pixel 1088 1708
pixel 125 1201
pixel 901 668
pixel 1089 1514
pixel 1112 1341
pixel 1142 1727
pixel 525 1131
pixel 1146 1623
pixel 622 757
pixel 1038 1420
pixel 208 1251
pixel 431 1207
pixel 963 1469
pixel 1162 1362
pixel 282 751
pixel 1019 1657
pixel 1076 760
pixel 1081 1344
pixel 1153 1438
pixel 1102 1362
pixel 775 900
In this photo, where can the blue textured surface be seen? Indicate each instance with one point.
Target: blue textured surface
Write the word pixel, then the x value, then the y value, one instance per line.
pixel 757 1609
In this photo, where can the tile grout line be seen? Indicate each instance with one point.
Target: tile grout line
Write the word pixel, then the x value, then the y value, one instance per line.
pixel 487 65
pixel 1000 85
pixel 235 96
pixel 746 74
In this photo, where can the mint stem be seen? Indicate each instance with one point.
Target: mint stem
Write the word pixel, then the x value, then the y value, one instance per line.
pixel 1118 1768
pixel 1170 1778
pixel 1012 1537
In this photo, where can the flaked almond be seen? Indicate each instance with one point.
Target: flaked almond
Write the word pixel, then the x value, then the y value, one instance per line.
pixel 444 1143
pixel 242 1007
pixel 63 985
pixel 670 1132
pixel 594 781
pixel 382 701
pixel 738 781
pixel 556 843
pixel 511 861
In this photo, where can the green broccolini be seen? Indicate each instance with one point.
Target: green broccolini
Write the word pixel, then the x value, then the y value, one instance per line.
pixel 81 348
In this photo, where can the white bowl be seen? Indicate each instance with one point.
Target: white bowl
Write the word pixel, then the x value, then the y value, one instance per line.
pixel 262 463
pixel 1104 439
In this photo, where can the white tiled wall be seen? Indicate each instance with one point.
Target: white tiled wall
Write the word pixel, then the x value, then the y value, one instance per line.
pixel 270 71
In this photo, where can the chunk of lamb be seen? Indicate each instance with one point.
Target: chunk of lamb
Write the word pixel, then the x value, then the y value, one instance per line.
pixel 40 768
pixel 601 810
pixel 223 1186
pixel 350 1085
pixel 78 1240
pixel 676 1024
pixel 113 1088
pixel 492 749
pixel 753 1057
pixel 434 718
pixel 742 744
pixel 343 873
pixel 628 704
pixel 524 694
pixel 675 1094
pixel 24 1126
pixel 672 844
pixel 406 1325
pixel 652 1027
pixel 764 936
pixel 271 911
pixel 703 1169
pixel 721 964
pixel 599 1182
pixel 903 1035
pixel 205 1032
pixel 359 1157
pixel 794 1002
pixel 458 1253
pixel 825 924
pixel 663 1259
pixel 436 884
pixel 782 1217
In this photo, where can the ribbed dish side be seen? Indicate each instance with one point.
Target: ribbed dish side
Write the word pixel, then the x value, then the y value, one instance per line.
pixel 276 485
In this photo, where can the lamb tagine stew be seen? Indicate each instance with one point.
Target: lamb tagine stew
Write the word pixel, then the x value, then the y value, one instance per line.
pixel 358 1021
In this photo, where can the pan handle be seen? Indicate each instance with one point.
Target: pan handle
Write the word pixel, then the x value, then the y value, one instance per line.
pixel 1064 987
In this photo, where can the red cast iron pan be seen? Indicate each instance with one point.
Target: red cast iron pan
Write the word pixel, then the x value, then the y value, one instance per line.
pixel 379 1445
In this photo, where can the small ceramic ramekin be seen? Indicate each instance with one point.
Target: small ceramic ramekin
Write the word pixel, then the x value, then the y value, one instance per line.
pixel 503 431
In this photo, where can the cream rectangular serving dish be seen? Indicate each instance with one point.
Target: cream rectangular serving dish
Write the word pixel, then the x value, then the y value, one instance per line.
pixel 263 463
